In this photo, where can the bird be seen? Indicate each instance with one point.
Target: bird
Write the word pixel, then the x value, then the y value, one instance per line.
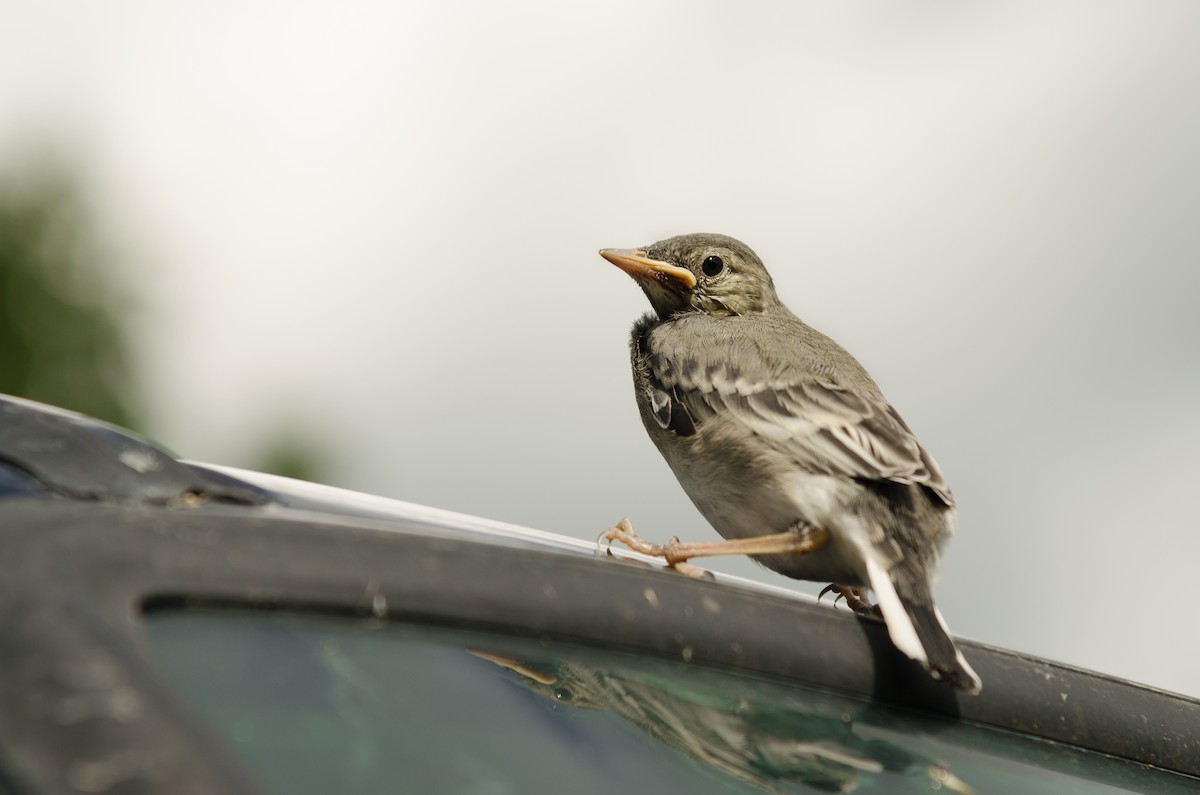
pixel 785 443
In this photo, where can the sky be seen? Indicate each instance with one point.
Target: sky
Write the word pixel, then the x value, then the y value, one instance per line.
pixel 374 226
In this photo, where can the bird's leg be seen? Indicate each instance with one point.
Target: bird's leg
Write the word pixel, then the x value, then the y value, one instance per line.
pixel 856 598
pixel 801 539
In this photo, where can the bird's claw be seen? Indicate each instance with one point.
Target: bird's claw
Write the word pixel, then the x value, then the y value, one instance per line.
pixel 856 598
pixel 826 590
pixel 622 531
pixel 604 542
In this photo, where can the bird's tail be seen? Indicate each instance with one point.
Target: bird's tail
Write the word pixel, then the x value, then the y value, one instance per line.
pixel 916 628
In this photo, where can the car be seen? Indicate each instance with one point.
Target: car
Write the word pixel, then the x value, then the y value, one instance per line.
pixel 174 627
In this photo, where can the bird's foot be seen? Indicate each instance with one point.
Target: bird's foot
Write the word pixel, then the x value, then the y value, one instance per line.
pixel 800 540
pixel 856 599
pixel 673 552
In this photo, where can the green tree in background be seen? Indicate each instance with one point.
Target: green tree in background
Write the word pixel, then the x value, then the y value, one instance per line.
pixel 61 338
pixel 64 336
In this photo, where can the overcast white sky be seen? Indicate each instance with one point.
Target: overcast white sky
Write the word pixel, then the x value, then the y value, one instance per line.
pixel 377 222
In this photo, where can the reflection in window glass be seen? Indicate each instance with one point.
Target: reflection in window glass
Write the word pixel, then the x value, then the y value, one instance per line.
pixel 318 705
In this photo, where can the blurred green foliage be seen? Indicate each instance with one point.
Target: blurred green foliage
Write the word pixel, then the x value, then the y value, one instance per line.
pixel 61 311
pixel 64 312
pixel 293 455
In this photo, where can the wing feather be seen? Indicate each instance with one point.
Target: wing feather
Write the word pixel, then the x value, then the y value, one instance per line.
pixel 824 425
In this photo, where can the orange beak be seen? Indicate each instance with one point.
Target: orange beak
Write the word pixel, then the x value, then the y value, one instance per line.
pixel 645 270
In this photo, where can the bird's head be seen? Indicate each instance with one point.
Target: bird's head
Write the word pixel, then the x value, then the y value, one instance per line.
pixel 699 273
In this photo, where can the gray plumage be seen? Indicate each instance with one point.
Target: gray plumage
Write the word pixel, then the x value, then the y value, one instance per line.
pixel 769 424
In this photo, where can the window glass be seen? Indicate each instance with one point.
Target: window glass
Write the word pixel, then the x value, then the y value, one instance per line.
pixel 321 705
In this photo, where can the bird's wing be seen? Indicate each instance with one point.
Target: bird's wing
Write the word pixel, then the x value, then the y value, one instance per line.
pixel 823 425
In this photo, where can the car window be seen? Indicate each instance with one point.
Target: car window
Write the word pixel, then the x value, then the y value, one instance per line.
pixel 321 704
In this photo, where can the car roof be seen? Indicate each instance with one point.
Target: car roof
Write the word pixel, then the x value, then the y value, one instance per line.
pixel 99 525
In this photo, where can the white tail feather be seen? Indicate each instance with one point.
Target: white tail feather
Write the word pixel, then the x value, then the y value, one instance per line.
pixel 899 625
pixel 958 655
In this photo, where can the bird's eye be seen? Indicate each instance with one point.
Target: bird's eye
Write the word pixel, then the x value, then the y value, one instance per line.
pixel 562 694
pixel 712 265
